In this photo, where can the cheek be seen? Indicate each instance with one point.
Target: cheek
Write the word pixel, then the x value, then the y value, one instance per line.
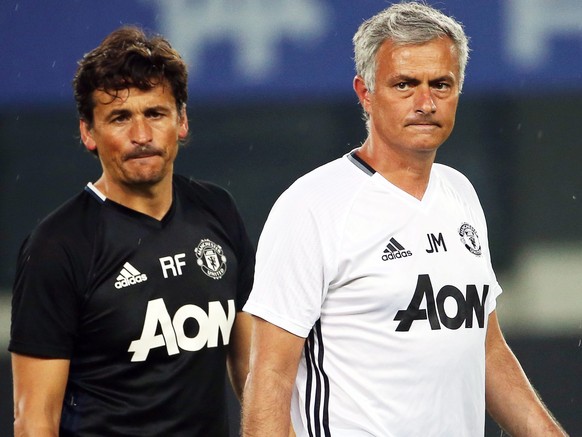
pixel 110 148
pixel 450 117
pixel 393 114
pixel 173 147
pixel 450 108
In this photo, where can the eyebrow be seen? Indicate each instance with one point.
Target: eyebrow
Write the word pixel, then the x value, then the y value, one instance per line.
pixel 157 108
pixel 405 78
pixel 125 112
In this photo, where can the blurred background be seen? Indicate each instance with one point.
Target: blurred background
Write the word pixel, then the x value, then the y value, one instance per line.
pixel 271 98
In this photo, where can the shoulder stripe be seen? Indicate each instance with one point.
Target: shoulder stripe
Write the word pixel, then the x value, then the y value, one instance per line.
pixel 317 415
pixel 360 163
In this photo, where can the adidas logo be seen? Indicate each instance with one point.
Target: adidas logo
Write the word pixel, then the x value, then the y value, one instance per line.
pixel 129 275
pixel 395 250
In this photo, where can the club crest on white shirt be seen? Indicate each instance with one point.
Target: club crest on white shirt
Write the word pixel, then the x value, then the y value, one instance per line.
pixel 470 239
pixel 211 259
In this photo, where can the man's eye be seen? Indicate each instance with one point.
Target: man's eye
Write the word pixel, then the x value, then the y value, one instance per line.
pixel 402 85
pixel 119 119
pixel 154 114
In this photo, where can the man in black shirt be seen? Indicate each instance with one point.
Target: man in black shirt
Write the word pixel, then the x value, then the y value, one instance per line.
pixel 127 299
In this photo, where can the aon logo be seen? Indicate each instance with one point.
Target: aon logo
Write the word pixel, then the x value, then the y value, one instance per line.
pixel 436 311
pixel 172 334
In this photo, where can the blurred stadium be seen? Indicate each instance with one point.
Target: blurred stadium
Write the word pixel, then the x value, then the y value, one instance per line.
pixel 271 98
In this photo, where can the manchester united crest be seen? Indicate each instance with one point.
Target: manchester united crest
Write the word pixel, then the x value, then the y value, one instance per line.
pixel 211 259
pixel 470 239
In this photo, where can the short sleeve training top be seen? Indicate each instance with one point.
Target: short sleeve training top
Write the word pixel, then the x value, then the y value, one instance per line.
pixel 392 295
pixel 142 308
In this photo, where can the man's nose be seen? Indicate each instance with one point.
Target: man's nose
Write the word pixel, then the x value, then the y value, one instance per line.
pixel 141 131
pixel 425 101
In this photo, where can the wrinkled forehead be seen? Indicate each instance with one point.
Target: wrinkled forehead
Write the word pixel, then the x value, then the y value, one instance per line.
pixel 438 55
pixel 160 91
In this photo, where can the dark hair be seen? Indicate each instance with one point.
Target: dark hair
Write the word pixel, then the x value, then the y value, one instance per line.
pixel 126 58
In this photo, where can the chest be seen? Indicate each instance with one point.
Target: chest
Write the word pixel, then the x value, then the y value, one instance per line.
pixel 413 265
pixel 160 288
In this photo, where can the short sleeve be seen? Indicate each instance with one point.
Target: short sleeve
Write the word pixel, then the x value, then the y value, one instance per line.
pixel 293 266
pixel 45 303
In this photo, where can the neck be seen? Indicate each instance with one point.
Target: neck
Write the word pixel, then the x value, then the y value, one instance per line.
pixel 153 200
pixel 408 170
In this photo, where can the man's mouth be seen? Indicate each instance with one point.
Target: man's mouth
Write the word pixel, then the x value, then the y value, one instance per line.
pixel 142 152
pixel 423 124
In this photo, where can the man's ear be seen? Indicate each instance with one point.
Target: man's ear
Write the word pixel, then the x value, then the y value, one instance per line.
pixel 362 92
pixel 183 131
pixel 87 136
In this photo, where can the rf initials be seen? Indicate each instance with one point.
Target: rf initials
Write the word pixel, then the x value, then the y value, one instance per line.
pixel 173 264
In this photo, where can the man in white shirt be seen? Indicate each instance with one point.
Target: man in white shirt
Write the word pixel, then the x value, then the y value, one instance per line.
pixel 374 296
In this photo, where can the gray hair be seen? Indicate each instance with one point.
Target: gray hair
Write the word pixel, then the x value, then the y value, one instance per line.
pixel 406 23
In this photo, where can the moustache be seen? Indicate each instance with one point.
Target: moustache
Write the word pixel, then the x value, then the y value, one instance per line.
pixel 422 120
pixel 142 152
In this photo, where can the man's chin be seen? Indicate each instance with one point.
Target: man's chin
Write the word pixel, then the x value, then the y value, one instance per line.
pixel 426 148
pixel 428 144
pixel 145 180
pixel 145 174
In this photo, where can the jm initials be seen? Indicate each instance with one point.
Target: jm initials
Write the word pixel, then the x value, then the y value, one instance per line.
pixel 435 242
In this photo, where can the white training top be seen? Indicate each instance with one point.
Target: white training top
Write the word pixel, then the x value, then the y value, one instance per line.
pixel 392 295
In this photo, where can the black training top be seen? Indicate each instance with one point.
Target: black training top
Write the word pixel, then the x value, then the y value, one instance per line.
pixel 142 308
